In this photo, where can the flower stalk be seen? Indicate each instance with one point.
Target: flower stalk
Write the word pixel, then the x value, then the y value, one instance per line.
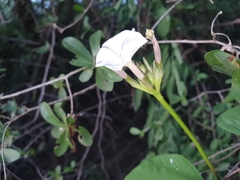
pixel 162 101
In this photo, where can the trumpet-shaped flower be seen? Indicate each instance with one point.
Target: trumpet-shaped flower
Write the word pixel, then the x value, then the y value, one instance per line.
pixel 118 51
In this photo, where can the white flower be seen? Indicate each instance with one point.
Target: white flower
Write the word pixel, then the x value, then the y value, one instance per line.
pixel 118 51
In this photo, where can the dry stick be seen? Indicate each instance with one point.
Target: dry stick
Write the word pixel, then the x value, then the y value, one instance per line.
pixel 165 14
pixel 45 75
pixel 41 85
pixel 101 135
pixel 237 146
pixel 100 104
pixel 229 174
pixel 61 30
pixel 70 96
pixel 186 41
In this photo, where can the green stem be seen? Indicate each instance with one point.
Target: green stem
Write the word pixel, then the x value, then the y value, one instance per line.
pixel 159 97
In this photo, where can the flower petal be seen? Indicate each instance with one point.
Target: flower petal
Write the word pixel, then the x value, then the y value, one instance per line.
pixel 106 57
pixel 118 51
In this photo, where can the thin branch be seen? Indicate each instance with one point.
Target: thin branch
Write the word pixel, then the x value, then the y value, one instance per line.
pixel 46 70
pixel 2 19
pixel 70 96
pixel 20 40
pixel 2 154
pixel 165 14
pixel 186 41
pixel 227 156
pixel 101 135
pixel 61 30
pixel 209 92
pixel 235 146
pixel 41 85
pixel 36 137
pixel 211 1
pixel 79 174
pixel 229 23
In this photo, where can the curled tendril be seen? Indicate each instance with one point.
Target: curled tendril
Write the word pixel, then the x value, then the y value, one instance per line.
pixel 228 47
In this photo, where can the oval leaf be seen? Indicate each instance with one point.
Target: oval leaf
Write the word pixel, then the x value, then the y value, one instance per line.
pixel 10 155
pixel 94 41
pixel 61 149
pixel 86 75
pixel 62 93
pixel 85 138
pixel 102 82
pixel 230 120
pixel 79 62
pixel 164 167
pixel 76 47
pixel 56 132
pixel 49 116
pixel 43 49
pixel 60 112
pixel 134 131
pixel 109 74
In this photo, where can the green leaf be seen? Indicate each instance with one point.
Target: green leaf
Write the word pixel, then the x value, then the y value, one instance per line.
pixel 61 149
pixel 109 74
pixel 219 62
pixel 79 62
pixel 49 116
pixel 60 112
pixel 2 69
pixel 164 26
pixel 101 82
pixel 230 120
pixel 235 88
pixel 78 8
pixel 56 132
pixel 94 41
pixel 134 131
pixel 165 167
pixel 85 138
pixel 76 47
pixel 10 155
pixel 137 99
pixel 43 49
pixel 86 75
pixel 62 93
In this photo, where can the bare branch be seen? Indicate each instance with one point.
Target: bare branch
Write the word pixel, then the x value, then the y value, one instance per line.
pixel 70 96
pixel 41 85
pixel 61 30
pixel 165 14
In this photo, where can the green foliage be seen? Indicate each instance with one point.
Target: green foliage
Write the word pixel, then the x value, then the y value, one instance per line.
pixel 230 120
pixel 162 167
pixel 64 128
pixel 10 155
pixel 188 85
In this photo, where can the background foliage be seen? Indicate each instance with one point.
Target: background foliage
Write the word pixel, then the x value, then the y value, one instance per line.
pixel 31 52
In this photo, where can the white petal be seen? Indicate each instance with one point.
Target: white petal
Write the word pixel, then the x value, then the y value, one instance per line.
pixel 118 51
pixel 117 42
pixel 108 58
pixel 136 40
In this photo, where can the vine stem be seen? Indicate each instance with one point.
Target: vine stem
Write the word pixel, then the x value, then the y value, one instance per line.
pixel 160 98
